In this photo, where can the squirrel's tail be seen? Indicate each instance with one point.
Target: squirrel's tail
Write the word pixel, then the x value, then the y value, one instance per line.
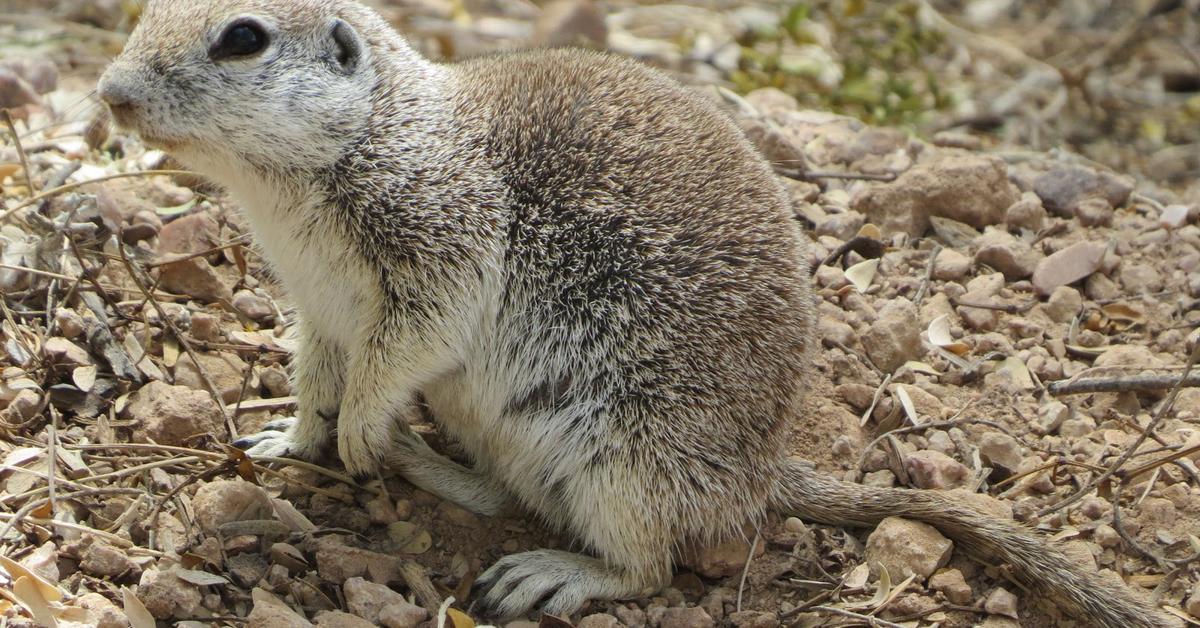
pixel 808 494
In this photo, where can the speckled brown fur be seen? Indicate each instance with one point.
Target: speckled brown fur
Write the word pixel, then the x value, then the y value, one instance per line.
pixel 585 269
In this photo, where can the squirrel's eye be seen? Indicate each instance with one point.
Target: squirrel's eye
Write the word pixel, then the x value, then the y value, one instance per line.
pixel 240 40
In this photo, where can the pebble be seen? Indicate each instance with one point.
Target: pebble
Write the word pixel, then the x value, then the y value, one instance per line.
pixel 935 470
pixel 368 599
pixel 226 371
pixel 402 615
pixel 1051 416
pixel 950 265
pixel 172 415
pixel 1192 605
pixel 104 614
pixel 188 235
pixel 206 327
pixel 724 560
pixel 1067 266
pixel 907 547
pixel 1094 212
pixel 1078 427
pixel 222 501
pixel 269 611
pixel 1000 602
pixel 754 619
pixel 62 351
pixel 691 617
pixel 1064 304
pixel 105 561
pixel 339 619
pixel 1000 450
pixel 1106 536
pixel 632 617
pixel 69 322
pixel 1139 278
pixel 970 189
pixel 165 595
pixel 950 583
pixel 196 278
pixel 1027 213
pixel 895 337
pixel 252 306
pixel 998 249
pixel 570 23
pixel 457 515
pixel 1063 186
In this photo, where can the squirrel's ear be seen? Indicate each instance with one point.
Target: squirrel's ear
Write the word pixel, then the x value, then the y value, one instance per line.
pixel 347 46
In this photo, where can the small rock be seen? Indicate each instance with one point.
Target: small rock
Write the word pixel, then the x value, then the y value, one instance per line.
pixel 275 380
pixel 1064 304
pixel 1000 450
pixel 598 620
pixel 1000 250
pixel 950 582
pixel 830 277
pixel 246 569
pixel 252 306
pixel 173 415
pixel 104 613
pixel 105 561
pixel 1127 356
pixel 1067 266
pixel 1063 186
pixel 188 235
pixel 1106 536
pixel 691 617
pixel 633 617
pixel 895 337
pixel 337 563
pixel 69 322
pixel 970 189
pixel 165 595
pixel 270 612
pixel 1001 602
pixel 1094 212
pixel 1174 217
pixel 1026 213
pixel 339 619
pixel 223 501
pixel 1140 278
pixel 402 615
pixel 226 371
pixel 842 226
pixel 1051 417
pixel 62 351
pixel 195 278
pixel 951 265
pixel 935 470
pixel 1192 605
pixel 367 599
pixel 907 547
pixel 206 326
pixel 834 332
pixel 1078 427
pixel 724 560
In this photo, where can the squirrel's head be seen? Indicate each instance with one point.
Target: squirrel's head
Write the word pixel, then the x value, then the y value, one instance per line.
pixel 222 84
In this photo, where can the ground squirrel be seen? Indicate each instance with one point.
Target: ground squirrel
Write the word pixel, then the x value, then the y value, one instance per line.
pixel 588 273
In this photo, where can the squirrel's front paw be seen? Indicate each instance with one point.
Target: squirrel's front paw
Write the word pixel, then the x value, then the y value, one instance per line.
pixel 363 449
pixel 281 438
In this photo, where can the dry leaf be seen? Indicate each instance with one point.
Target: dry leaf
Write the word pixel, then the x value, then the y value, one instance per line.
pixel 862 274
pixel 939 336
pixel 46 589
pixel 552 621
pixel 138 616
pixel 29 594
pixel 410 538
pixel 84 377
pixel 201 578
pixel 869 230
pixel 920 367
pixel 857 578
pixel 882 589
pixel 294 519
pixel 906 402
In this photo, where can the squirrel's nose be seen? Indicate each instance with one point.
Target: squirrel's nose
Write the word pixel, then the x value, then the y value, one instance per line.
pixel 116 90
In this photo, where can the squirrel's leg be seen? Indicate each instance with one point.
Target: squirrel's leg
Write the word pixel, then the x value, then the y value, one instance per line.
pixel 516 583
pixel 634 556
pixel 317 376
pixel 433 472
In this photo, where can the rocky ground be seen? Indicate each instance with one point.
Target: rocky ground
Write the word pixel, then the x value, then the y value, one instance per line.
pixel 995 319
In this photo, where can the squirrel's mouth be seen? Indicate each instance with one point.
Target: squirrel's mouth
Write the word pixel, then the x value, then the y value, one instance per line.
pixel 127 119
